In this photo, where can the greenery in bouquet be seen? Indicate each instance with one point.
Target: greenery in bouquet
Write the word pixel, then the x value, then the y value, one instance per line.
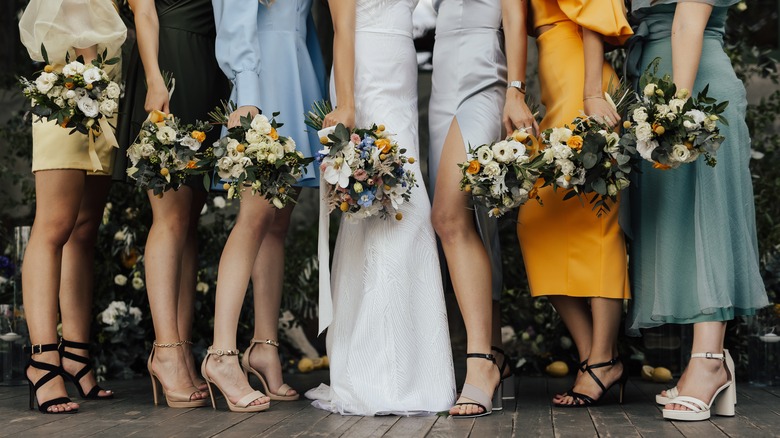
pixel 77 95
pixel 669 126
pixel 500 175
pixel 363 169
pixel 588 159
pixel 254 154
pixel 166 153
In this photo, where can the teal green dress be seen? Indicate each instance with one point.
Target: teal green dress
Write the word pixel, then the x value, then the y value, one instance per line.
pixel 693 249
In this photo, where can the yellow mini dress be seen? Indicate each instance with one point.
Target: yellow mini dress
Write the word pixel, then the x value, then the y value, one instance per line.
pixel 567 249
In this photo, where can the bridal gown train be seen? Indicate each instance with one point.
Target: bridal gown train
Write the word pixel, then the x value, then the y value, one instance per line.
pixel 388 342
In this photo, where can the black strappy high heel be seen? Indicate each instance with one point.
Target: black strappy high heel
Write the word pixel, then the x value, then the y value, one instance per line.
pixel 476 396
pixel 94 393
pixel 583 400
pixel 54 371
pixel 581 367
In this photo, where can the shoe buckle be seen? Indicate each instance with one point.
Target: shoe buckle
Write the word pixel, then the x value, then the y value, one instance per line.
pixel 34 350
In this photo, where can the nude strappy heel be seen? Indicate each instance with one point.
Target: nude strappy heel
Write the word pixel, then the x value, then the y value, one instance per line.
pixel 281 392
pixel 243 405
pixel 178 398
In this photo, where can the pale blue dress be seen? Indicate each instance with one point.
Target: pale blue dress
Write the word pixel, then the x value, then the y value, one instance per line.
pixel 272 56
pixel 694 252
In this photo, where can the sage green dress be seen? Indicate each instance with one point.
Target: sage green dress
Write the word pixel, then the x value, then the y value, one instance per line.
pixel 694 252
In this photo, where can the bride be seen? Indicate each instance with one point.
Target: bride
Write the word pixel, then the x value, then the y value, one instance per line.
pixel 388 341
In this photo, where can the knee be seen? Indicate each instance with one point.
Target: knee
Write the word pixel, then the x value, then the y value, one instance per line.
pixel 85 231
pixel 448 224
pixel 279 228
pixel 54 230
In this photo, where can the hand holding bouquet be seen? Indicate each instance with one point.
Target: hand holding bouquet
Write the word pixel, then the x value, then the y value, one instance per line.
pixel 166 152
pixel 499 175
pixel 669 126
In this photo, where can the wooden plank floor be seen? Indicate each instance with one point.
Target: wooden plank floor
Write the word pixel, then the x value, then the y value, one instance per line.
pixel 132 413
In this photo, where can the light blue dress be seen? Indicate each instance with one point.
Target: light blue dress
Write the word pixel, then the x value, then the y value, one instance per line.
pixel 272 56
pixel 694 253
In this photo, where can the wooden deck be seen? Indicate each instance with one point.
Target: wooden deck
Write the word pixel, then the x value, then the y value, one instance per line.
pixel 530 415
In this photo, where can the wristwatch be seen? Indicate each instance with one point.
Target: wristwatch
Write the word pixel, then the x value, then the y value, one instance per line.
pixel 520 85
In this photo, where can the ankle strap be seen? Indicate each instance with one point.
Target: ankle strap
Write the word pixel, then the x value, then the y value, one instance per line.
pixel 489 357
pixel 265 341
pixel 221 352
pixel 602 364
pixel 720 356
pixel 71 344
pixel 498 350
pixel 168 345
pixel 42 348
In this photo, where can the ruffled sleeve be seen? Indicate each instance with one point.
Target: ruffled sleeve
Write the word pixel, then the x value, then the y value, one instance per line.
pixel 638 5
pixel 238 47
pixel 62 25
pixel 607 17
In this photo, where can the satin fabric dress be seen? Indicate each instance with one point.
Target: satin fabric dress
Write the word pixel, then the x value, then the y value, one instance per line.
pixel 469 85
pixel 567 249
pixel 388 341
pixel 694 252
pixel 61 25
pixel 186 52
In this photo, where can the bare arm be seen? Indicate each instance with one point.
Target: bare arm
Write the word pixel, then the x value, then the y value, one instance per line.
pixel 593 101
pixel 148 38
pixel 690 19
pixel 516 111
pixel 343 13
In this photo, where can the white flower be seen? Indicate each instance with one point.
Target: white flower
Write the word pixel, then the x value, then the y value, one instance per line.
pixel 92 74
pixel 261 124
pixel 559 135
pixel 277 203
pixel 135 312
pixel 112 90
pixel 190 143
pixel 492 169
pixel 662 109
pixel 289 145
pixel 138 283
pixel 697 116
pixel 120 280
pixel 676 105
pixel 646 148
pixel 120 235
pixel 107 107
pixel 202 287
pixel 88 106
pixel 502 152
pixel 70 94
pixel 147 149
pixel 166 135
pixel 60 102
pixel 640 114
pixel 237 170
pixel 671 116
pixel 253 136
pixel 337 172
pixel 650 89
pixel 548 155
pixel 612 190
pixel 561 151
pixel 278 150
pixel 219 202
pixel 567 167
pixel 484 155
pixel 622 183
pixel 643 132
pixel 690 126
pixel 710 125
pixel 680 153
pixel 74 68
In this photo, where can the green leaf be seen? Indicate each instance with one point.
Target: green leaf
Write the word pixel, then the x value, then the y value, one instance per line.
pixel 589 160
pixel 44 54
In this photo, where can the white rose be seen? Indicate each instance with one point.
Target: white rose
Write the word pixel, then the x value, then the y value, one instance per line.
pixel 92 74
pixel 690 126
pixel 72 69
pixel 671 116
pixel 676 105
pixel 261 124
pixel 120 280
pixel 680 153
pixel 166 135
pixel 643 132
pixel 232 144
pixel 567 167
pixel 236 170
pixel 560 135
pixel 219 202
pixel 45 82
pixel 190 143
pixel 147 149
pixel 484 155
pixel 88 106
pixel 60 102
pixel 548 155
pixel 696 115
pixel 650 89
pixel 135 312
pixel 70 94
pixel 662 109
pixel 710 125
pixel 107 107
pixel 112 90
pixel 640 114
pixel 612 190
pixel 561 151
pixel 253 136
pixel 646 148
pixel 138 283
pixel 492 169
pixel 289 145
pixel 202 287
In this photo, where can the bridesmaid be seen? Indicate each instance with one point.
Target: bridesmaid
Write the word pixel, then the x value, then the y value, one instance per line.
pixel 175 37
pixel 695 265
pixel 466 108
pixel 276 69
pixel 71 190
pixel 573 257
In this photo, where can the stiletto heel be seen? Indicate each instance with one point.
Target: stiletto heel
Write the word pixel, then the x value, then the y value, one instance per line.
pixel 92 394
pixel 583 400
pixel 722 402
pixel 243 405
pixel 281 392
pixel 54 371
pixel 174 398
pixel 477 396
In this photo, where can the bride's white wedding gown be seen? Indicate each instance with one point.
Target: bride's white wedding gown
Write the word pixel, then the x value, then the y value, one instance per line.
pixel 388 343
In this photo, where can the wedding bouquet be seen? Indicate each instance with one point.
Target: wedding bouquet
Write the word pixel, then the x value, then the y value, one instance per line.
pixel 166 152
pixel 500 175
pixel 669 126
pixel 254 154
pixel 76 95
pixel 586 157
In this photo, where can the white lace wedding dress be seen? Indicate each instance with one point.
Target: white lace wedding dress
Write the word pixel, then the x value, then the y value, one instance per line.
pixel 388 343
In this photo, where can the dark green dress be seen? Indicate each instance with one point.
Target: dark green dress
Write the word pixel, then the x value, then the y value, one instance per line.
pixel 186 51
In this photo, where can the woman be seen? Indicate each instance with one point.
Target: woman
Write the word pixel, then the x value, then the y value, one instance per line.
pixel 465 110
pixel 71 189
pixel 174 38
pixel 572 256
pixel 388 342
pixel 683 240
pixel 289 81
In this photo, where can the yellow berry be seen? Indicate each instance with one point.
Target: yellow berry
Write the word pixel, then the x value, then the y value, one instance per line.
pixel 380 128
pixel 240 148
pixel 48 68
pixel 399 216
pixel 626 124
pixel 344 206
pixel 226 186
pixel 411 160
pixel 164 171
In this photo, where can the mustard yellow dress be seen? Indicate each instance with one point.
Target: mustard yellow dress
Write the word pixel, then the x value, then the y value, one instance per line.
pixel 567 249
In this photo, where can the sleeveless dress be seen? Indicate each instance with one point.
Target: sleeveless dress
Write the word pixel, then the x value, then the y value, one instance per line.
pixel 469 84
pixel 567 249
pixel 388 342
pixel 694 253
pixel 186 51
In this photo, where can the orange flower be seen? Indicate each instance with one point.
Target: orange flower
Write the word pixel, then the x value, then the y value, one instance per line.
pixel 69 85
pixel 199 135
pixel 574 142
pixel 65 122
pixel 473 167
pixel 274 134
pixel 689 145
pixel 657 165
pixel 191 164
pixel 156 116
pixel 383 145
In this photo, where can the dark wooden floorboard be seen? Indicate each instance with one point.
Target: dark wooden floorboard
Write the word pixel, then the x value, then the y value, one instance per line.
pixel 371 427
pixel 641 410
pixel 412 427
pixel 533 412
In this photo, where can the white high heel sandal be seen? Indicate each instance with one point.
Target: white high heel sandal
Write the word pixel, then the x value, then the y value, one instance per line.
pixel 671 393
pixel 722 403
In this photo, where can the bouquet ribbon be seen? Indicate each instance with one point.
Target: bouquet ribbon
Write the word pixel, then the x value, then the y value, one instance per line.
pixel 106 129
pixel 323 253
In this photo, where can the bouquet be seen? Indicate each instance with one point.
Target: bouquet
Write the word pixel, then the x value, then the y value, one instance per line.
pixel 253 154
pixel 499 175
pixel 586 158
pixel 363 169
pixel 166 152
pixel 670 127
pixel 77 95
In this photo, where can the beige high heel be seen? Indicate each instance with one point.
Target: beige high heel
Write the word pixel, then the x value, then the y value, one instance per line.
pixel 722 403
pixel 243 405
pixel 174 398
pixel 281 393
pixel 671 393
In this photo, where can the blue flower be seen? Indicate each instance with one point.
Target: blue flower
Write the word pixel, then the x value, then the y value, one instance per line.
pixel 367 141
pixel 366 198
